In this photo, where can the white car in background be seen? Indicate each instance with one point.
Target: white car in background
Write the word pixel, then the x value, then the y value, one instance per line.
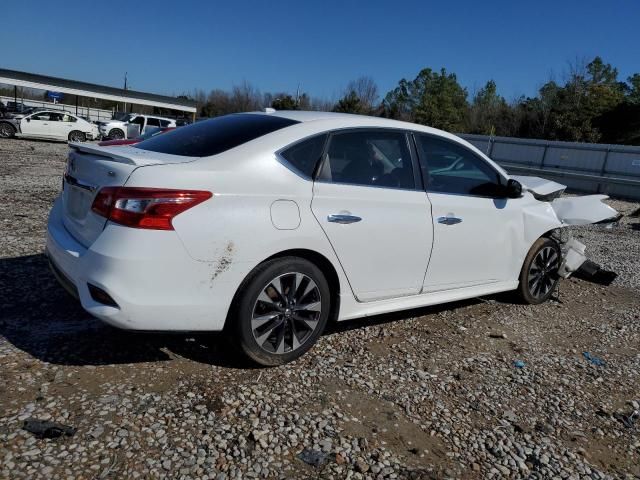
pixel 118 129
pixel 50 125
pixel 271 225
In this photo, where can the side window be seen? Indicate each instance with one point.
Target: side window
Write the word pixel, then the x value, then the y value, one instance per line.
pixel 44 116
pixel 138 121
pixel 55 117
pixel 153 122
pixel 304 156
pixel 451 168
pixel 69 118
pixel 164 123
pixel 376 158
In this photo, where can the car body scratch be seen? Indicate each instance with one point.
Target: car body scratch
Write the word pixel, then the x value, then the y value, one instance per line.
pixel 224 262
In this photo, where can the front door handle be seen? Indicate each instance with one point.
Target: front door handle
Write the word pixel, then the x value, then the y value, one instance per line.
pixel 343 219
pixel 449 220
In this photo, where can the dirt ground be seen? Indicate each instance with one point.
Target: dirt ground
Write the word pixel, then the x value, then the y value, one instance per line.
pixel 429 393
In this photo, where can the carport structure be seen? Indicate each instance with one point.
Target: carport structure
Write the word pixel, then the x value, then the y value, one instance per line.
pixel 84 89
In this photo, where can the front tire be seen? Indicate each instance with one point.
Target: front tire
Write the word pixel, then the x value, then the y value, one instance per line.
pixel 77 136
pixel 7 130
pixel 116 134
pixel 281 310
pixel 539 275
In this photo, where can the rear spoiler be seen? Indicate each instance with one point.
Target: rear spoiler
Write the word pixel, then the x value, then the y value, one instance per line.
pixel 130 155
pixel 99 151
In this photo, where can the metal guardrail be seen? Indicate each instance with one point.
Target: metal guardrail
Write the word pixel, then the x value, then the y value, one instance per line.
pixel 586 167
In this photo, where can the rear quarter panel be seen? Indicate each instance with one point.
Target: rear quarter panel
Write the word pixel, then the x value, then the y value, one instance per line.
pixel 234 231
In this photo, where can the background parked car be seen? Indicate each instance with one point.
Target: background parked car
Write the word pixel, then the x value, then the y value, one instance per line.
pixel 16 108
pixel 48 124
pixel 131 141
pixel 117 129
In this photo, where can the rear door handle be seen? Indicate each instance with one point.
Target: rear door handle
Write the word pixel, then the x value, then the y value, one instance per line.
pixel 343 219
pixel 449 220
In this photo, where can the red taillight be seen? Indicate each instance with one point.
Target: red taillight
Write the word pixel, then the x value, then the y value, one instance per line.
pixel 152 208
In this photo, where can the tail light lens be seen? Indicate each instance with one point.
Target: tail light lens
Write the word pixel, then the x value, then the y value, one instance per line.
pixel 152 208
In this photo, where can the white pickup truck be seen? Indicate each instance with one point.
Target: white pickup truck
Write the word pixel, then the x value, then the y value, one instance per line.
pixel 119 128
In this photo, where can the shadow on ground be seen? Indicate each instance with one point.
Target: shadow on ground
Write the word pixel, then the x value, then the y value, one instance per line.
pixel 41 319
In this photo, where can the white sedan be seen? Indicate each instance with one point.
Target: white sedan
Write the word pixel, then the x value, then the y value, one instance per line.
pixel 50 125
pixel 270 225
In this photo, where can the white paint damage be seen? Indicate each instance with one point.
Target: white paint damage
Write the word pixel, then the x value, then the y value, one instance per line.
pixel 583 210
pixel 541 188
pixel 574 257
pixel 569 211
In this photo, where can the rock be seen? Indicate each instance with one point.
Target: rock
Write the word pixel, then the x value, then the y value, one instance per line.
pixel 47 429
pixel 96 432
pixel 313 457
pixel 361 465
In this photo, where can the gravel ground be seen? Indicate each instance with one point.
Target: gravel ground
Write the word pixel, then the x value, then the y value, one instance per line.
pixel 430 393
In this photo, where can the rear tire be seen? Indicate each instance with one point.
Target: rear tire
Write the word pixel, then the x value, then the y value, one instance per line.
pixel 539 274
pixel 116 134
pixel 7 130
pixel 77 136
pixel 281 310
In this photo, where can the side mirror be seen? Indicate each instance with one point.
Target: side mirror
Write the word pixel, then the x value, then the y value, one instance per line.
pixel 513 188
pixel 28 119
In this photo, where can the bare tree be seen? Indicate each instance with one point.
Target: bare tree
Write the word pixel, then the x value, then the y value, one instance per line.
pixel 366 90
pixel 245 98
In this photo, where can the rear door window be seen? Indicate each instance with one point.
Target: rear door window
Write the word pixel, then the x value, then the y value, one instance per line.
pixel 153 122
pixel 214 136
pixel 138 121
pixel 304 156
pixel 375 158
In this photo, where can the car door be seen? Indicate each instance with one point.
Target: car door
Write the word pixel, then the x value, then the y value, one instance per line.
pixel 56 127
pixel 476 229
pixel 368 199
pixel 140 121
pixel 35 125
pixel 67 124
pixel 153 124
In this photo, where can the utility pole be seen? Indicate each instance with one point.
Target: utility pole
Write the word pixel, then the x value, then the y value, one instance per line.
pixel 125 87
pixel 298 95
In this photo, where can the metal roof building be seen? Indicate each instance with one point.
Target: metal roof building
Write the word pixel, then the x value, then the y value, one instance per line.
pixel 84 89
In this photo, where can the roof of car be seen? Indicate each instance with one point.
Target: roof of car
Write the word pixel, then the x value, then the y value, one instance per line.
pixel 311 116
pixel 352 120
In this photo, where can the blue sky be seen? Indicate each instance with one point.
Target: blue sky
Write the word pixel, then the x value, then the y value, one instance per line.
pixel 173 47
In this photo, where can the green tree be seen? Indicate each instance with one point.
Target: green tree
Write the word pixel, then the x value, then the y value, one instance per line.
pixel 571 112
pixel 399 102
pixel 284 102
pixel 489 113
pixel 633 89
pixel 432 98
pixel 350 103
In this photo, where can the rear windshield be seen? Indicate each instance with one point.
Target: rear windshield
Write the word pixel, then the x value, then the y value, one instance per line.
pixel 214 136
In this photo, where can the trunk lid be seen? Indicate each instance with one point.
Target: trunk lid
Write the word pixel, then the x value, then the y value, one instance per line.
pixel 90 168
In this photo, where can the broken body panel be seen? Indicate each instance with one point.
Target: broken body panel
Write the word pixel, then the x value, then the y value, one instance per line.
pixel 568 211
